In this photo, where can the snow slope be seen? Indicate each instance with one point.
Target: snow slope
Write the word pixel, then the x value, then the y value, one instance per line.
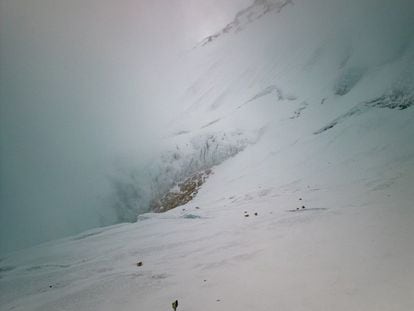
pixel 328 125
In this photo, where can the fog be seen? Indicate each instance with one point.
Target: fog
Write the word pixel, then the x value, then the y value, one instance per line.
pixel 86 88
pixel 81 92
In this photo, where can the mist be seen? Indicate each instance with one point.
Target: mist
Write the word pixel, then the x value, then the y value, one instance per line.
pixel 83 90
pixel 86 89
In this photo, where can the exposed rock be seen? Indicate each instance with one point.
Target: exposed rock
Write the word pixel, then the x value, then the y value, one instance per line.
pixel 175 305
pixel 248 15
pixel 396 98
pixel 183 193
pixel 298 112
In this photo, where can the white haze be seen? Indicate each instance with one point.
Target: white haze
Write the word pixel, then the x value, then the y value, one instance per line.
pixel 88 87
pixel 84 88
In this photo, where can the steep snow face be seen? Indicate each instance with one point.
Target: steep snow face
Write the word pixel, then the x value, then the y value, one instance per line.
pixel 280 65
pixel 310 51
pixel 313 211
pixel 144 67
pixel 248 15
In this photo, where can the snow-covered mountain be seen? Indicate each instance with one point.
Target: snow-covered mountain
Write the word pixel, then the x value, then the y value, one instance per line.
pixel 304 112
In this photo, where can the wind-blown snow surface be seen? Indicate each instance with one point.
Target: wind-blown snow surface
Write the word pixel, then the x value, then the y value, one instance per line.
pixel 325 92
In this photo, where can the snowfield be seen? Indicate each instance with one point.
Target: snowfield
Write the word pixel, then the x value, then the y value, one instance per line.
pixel 350 248
pixel 320 124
